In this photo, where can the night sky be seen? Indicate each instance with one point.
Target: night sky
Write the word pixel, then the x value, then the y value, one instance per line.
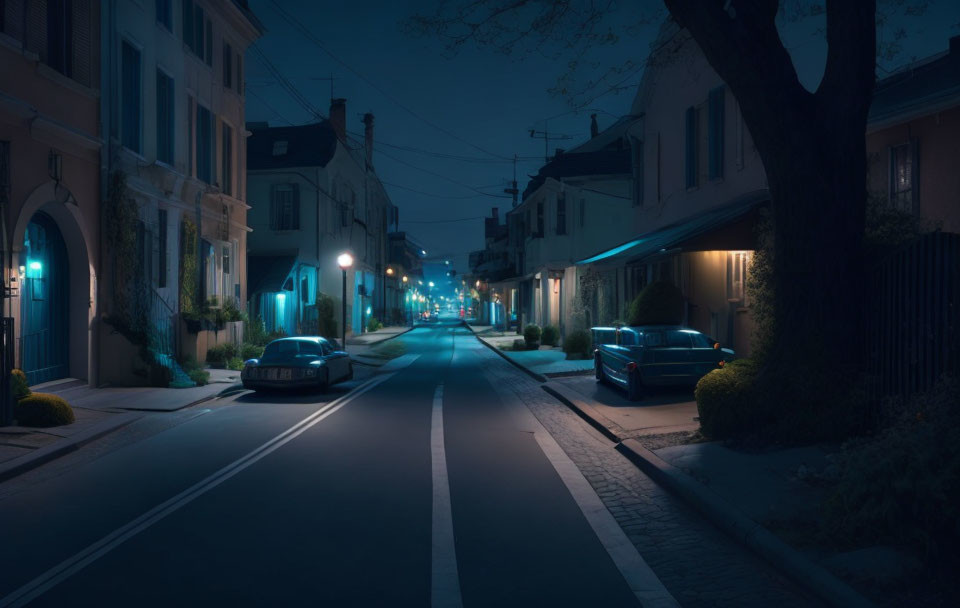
pixel 477 106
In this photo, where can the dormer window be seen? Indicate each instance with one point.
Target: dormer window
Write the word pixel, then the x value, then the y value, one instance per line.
pixel 280 147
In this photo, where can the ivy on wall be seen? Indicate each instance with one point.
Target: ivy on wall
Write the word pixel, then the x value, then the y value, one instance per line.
pixel 188 268
pixel 129 303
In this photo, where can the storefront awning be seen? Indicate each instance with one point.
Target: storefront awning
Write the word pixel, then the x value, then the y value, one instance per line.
pixel 727 227
pixel 269 273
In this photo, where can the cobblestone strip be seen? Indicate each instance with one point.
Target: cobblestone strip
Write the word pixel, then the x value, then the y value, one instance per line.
pixel 697 563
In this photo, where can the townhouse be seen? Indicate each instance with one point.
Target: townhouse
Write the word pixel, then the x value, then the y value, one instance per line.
pixel 50 187
pixel 403 278
pixel 314 194
pixel 174 143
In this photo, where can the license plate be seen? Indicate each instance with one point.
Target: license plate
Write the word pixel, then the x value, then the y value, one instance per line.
pixel 272 373
pixel 286 373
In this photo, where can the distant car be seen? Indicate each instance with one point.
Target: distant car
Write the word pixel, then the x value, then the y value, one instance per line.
pixel 435 315
pixel 655 355
pixel 302 362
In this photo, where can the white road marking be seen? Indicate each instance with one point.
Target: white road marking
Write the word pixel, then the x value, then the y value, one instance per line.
pixel 641 579
pixel 444 579
pixel 77 562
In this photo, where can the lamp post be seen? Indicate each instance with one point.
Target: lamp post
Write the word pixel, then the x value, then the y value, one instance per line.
pixel 405 279
pixel 388 273
pixel 344 261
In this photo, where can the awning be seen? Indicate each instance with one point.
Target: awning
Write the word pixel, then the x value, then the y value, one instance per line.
pixel 269 273
pixel 726 228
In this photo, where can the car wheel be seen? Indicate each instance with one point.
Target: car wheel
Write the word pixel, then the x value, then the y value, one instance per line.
pixel 598 367
pixel 350 372
pixel 634 386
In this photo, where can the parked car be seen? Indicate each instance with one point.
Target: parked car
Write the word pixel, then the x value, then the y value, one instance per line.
pixel 654 355
pixel 302 362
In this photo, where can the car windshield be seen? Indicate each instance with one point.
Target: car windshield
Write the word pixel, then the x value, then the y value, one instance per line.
pixel 286 349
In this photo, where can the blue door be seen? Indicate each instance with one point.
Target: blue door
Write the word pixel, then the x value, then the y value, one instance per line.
pixel 44 317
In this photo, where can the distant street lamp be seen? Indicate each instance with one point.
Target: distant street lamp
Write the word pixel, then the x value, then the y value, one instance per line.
pixel 405 279
pixel 387 273
pixel 344 261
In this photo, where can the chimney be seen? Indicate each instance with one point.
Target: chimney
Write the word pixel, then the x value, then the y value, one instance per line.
pixel 338 117
pixel 495 213
pixel 594 128
pixel 368 137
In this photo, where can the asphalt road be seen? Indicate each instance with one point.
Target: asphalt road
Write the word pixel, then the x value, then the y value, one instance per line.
pixel 423 485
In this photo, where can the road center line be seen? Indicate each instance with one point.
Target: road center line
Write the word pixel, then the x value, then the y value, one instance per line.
pixel 77 562
pixel 444 579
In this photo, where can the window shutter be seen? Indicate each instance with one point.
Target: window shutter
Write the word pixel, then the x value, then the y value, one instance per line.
pixel 187 9
pixel 274 208
pixel 35 37
pixel 81 42
pixel 915 174
pixel 209 49
pixel 691 147
pixel 295 199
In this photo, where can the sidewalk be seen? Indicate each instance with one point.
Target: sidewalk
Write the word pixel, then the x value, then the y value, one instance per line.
pixel 375 337
pixel 547 361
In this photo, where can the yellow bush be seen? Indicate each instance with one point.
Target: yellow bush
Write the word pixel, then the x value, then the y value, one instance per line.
pixel 42 409
pixel 20 387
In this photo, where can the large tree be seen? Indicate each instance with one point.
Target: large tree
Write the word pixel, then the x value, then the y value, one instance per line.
pixel 812 144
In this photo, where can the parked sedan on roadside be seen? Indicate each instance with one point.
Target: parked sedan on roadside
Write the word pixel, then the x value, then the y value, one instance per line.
pixel 302 362
pixel 654 355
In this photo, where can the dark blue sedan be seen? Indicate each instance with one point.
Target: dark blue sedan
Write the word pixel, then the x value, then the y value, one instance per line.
pixel 303 362
pixel 654 355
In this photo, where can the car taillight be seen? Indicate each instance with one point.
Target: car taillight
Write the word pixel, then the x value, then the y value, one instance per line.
pixel 631 366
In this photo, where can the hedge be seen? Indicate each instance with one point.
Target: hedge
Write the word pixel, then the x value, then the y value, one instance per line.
pixel 43 409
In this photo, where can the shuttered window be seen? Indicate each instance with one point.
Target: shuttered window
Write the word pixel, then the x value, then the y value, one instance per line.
pixel 715 123
pixel 226 159
pixel 187 11
pixel 165 13
pixel 903 176
pixel 561 213
pixel 204 144
pixel 59 54
pixel 162 257
pixel 540 219
pixel 132 102
pixel 227 66
pixel 165 114
pixel 285 207
pixel 690 147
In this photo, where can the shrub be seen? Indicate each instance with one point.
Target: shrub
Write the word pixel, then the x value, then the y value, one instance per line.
pixel 577 343
pixel 550 336
pixel 220 354
pixel 20 387
pixel 251 351
pixel 902 485
pixel 326 316
pixel 235 363
pixel 373 324
pixel 42 409
pixel 231 312
pixel 254 332
pixel 727 402
pixel 659 303
pixel 531 335
pixel 196 372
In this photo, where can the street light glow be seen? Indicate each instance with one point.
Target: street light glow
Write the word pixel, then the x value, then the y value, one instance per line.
pixel 344 260
pixel 430 283
pixel 404 278
pixel 389 271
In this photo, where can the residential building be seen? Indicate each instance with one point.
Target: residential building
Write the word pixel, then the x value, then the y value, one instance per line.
pixel 699 185
pixel 404 276
pixel 314 194
pixel 173 124
pixel 913 139
pixel 50 185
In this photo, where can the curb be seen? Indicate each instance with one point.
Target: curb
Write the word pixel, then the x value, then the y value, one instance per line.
pixel 34 459
pixel 744 530
pixel 586 411
pixel 396 335
pixel 526 370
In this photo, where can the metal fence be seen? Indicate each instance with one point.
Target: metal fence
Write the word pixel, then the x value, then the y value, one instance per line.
pixel 912 315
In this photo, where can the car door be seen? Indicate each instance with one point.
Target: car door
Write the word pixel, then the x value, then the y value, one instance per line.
pixel 335 363
pixel 674 357
pixel 703 356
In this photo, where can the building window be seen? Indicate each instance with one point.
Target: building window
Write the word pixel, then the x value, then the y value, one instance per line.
pixel 4 171
pixel 226 159
pixel 715 121
pixel 285 207
pixel 540 219
pixel 227 66
pixel 636 155
pixel 162 261
pixel 60 36
pixel 191 128
pixel 561 213
pixel 197 31
pixel 209 48
pixel 165 13
pixel 736 275
pixel 164 118
pixel 239 73
pixel 130 81
pixel 903 182
pixel 690 148
pixel 204 144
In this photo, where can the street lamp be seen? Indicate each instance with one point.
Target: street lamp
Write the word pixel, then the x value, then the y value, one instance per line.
pixel 344 261
pixel 387 274
pixel 405 279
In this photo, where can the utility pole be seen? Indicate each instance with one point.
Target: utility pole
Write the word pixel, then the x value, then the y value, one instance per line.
pixel 546 136
pixel 512 190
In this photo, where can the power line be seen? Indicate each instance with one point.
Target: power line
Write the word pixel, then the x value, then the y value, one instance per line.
pixel 440 175
pixel 286 84
pixel 430 194
pixel 309 36
pixel 462 219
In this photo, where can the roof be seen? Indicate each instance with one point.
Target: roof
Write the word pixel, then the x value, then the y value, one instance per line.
pixel 613 160
pixel 919 88
pixel 268 273
pixel 310 145
pixel 679 233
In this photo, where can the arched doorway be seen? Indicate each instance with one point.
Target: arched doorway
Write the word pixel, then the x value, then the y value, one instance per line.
pixel 44 313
